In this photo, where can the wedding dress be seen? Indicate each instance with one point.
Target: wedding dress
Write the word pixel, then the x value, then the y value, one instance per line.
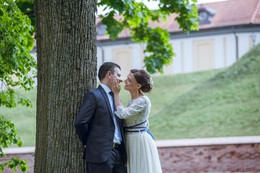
pixel 142 154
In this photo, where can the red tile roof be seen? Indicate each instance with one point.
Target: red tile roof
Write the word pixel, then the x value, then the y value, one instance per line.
pixel 256 15
pixel 228 13
pixel 234 12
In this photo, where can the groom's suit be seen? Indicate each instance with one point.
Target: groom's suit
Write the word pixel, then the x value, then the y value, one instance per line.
pixel 95 127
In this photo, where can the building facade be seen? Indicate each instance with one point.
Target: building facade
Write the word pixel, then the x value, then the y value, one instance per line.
pixel 228 29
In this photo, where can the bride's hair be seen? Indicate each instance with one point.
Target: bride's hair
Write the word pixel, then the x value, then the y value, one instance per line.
pixel 143 78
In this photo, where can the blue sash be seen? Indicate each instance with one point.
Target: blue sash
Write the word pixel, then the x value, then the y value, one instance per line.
pixel 134 128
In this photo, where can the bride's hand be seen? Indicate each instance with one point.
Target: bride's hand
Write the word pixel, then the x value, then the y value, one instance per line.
pixel 115 86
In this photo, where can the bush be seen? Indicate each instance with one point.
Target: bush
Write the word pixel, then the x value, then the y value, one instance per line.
pixel 8 136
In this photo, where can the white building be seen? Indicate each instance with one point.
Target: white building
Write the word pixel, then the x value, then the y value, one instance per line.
pixel 228 29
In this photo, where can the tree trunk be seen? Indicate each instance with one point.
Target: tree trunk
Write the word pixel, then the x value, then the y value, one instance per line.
pixel 66 55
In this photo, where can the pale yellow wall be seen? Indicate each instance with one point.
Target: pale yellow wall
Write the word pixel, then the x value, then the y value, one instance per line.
pixel 123 57
pixel 182 57
pixel 225 51
pixel 203 51
pixel 142 55
pixel 250 42
pixel 190 52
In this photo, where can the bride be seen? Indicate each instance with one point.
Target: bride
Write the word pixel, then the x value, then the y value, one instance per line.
pixel 141 149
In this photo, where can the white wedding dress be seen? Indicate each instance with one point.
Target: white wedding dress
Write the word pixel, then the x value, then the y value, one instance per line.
pixel 142 154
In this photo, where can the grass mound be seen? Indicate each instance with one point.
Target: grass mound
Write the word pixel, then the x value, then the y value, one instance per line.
pixel 227 104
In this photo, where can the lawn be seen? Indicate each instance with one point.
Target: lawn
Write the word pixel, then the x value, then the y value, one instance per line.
pixel 24 118
pixel 166 89
pixel 216 103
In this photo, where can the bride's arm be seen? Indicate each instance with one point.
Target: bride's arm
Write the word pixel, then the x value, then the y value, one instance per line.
pixel 133 109
pixel 123 112
pixel 117 100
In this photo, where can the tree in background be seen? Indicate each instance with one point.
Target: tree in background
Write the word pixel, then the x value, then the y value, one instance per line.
pixel 66 55
pixel 16 63
pixel 15 60
pixel 137 17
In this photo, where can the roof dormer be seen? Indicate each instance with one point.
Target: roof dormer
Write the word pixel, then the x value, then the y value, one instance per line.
pixel 205 15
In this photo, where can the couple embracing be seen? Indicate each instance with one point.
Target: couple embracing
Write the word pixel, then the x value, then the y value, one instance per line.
pixel 116 138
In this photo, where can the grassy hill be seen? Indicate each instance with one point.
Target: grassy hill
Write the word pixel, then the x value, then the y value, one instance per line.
pixel 227 104
pixel 214 103
pixel 166 89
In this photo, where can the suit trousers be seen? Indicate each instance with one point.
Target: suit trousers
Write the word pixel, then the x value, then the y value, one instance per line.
pixel 113 165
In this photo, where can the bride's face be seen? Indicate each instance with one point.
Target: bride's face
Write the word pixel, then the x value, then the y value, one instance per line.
pixel 130 83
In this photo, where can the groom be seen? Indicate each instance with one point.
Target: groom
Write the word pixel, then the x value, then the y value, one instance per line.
pixel 100 131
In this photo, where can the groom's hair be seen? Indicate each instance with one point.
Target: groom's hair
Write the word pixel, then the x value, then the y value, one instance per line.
pixel 104 68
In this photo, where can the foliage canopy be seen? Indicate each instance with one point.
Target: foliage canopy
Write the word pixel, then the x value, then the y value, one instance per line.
pixel 137 17
pixel 15 62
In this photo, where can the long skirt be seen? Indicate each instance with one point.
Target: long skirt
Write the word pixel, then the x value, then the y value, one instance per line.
pixel 142 153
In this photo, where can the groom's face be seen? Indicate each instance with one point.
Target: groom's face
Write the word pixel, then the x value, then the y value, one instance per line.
pixel 117 75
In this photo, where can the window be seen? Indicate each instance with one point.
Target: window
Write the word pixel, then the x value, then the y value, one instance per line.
pixel 206 15
pixel 101 29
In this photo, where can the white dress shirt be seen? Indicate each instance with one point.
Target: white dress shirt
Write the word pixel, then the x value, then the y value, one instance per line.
pixel 117 134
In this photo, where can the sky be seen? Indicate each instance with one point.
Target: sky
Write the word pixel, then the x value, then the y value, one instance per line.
pixel 208 1
pixel 153 5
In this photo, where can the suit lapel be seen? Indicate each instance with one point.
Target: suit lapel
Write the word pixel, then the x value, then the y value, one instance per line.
pixel 121 125
pixel 119 121
pixel 104 94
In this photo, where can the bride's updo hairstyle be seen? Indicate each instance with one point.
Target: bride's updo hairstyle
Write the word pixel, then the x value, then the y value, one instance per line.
pixel 143 78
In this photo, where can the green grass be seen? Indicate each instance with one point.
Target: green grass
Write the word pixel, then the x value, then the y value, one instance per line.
pixel 214 103
pixel 24 118
pixel 168 88
pixel 228 104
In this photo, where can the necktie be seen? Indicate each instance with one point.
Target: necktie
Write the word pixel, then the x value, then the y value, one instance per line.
pixel 117 135
pixel 113 99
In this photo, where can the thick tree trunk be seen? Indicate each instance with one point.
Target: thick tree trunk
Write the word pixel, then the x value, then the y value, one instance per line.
pixel 66 55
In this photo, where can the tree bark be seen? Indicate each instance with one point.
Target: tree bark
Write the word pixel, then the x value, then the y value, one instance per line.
pixel 66 57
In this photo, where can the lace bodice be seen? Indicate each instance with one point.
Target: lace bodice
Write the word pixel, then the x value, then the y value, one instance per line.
pixel 137 111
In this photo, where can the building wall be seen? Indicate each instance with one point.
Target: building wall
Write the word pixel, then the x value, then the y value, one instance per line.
pixel 223 52
pixel 110 52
